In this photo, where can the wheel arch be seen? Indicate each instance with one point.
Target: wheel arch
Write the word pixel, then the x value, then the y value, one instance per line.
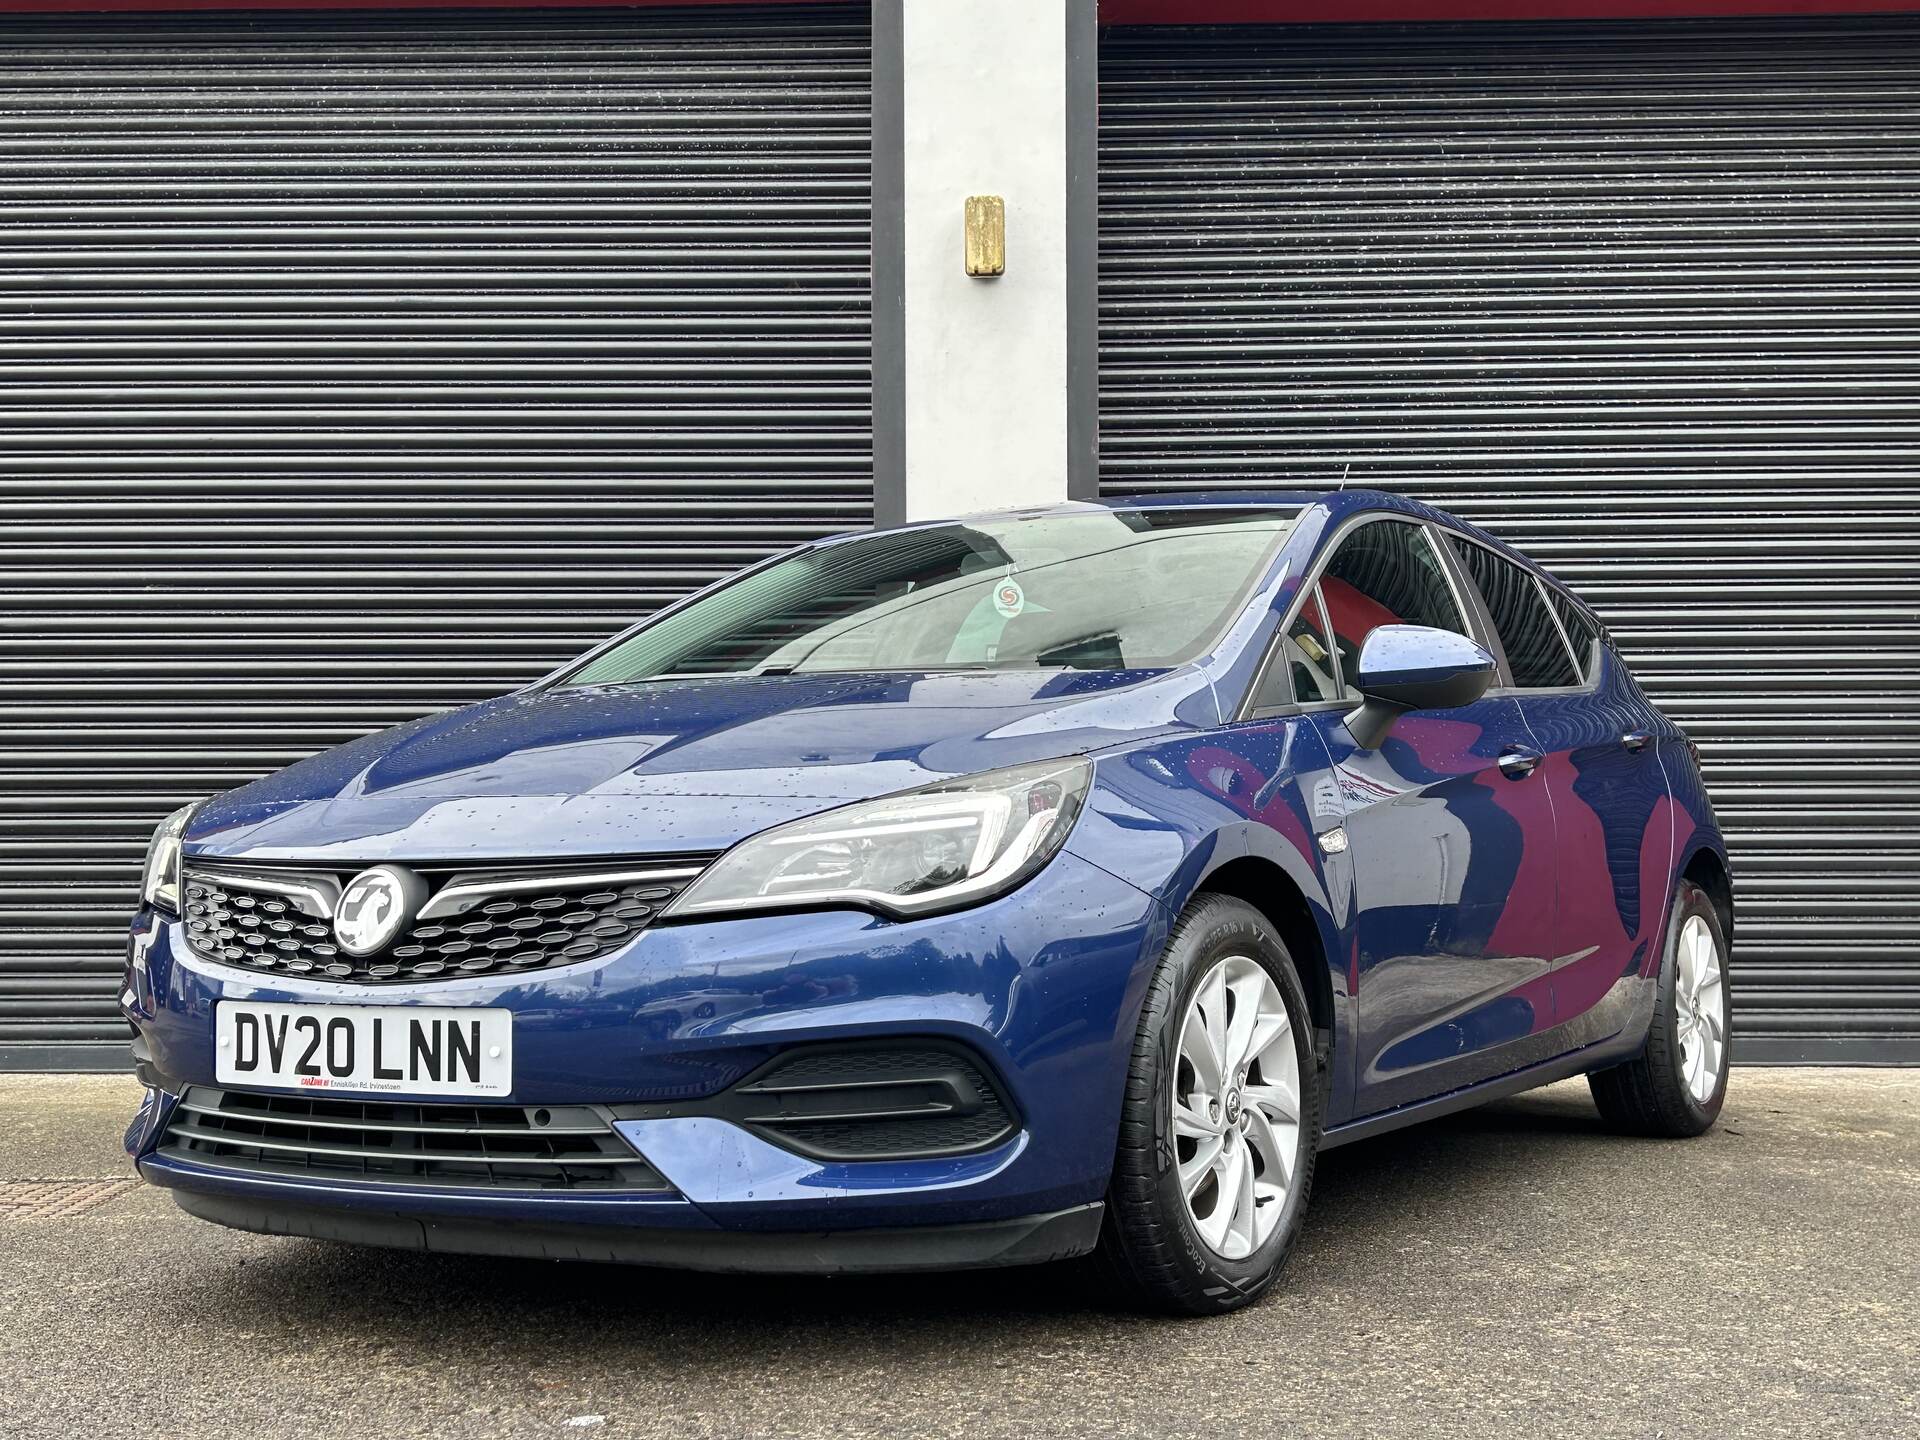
pixel 1707 867
pixel 1269 889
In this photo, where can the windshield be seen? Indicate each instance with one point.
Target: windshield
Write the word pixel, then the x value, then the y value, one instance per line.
pixel 1078 590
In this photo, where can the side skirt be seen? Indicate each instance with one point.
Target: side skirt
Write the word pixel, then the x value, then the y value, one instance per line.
pixel 1596 1056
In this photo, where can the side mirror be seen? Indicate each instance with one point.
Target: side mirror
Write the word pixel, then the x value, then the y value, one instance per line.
pixel 1414 667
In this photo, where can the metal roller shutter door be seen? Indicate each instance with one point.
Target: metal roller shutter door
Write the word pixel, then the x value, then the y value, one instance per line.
pixel 355 367
pixel 1643 299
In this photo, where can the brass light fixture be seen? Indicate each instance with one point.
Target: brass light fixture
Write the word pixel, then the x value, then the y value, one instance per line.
pixel 986 236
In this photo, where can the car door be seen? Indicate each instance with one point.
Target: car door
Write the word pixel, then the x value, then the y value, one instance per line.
pixel 1450 836
pixel 1599 741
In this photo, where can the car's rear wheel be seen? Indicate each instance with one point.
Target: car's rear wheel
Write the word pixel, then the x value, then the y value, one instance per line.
pixel 1221 1118
pixel 1677 1085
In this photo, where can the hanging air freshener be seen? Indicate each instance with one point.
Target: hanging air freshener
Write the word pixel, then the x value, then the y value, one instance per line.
pixel 1008 598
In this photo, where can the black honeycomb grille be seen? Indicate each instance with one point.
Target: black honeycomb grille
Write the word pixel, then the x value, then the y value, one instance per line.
pixel 515 932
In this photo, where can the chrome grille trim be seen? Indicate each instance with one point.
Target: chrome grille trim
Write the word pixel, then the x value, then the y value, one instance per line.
pixel 319 892
pixel 462 893
pixel 497 921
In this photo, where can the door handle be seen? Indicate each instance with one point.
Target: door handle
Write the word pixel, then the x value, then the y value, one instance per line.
pixel 1635 740
pixel 1517 764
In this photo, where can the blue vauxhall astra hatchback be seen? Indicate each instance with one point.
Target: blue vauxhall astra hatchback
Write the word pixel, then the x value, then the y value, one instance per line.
pixel 984 892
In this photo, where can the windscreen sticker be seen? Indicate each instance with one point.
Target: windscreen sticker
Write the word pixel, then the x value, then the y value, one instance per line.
pixel 1008 598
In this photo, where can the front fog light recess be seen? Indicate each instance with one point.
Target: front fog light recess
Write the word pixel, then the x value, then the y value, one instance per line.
pixel 937 848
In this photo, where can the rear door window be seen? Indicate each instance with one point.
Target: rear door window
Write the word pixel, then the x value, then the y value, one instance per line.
pixel 1536 653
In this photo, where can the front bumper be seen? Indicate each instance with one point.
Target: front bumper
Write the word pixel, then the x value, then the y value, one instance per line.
pixel 1043 985
pixel 1025 1240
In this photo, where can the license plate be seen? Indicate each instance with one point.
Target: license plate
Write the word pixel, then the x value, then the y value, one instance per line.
pixel 359 1048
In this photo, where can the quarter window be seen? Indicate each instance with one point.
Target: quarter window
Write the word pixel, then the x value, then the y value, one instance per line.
pixel 1581 630
pixel 1303 669
pixel 1308 650
pixel 1385 572
pixel 1535 652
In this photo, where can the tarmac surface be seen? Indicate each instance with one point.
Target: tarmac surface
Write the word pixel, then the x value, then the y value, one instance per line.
pixel 1512 1271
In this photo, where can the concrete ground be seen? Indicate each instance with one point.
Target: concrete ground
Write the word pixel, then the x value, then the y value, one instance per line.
pixel 1515 1270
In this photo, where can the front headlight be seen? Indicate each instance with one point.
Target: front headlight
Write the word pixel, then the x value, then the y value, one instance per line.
pixel 160 886
pixel 937 848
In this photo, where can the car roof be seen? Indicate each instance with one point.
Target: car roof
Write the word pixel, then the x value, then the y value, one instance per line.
pixel 1339 502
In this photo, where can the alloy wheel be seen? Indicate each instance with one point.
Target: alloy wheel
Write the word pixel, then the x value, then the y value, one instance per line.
pixel 1236 1107
pixel 1700 998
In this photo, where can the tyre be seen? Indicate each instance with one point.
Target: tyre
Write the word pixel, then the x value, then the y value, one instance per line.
pixel 1220 1122
pixel 1676 1086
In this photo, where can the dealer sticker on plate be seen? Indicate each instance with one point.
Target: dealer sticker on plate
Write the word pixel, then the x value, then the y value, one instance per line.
pixel 403 1048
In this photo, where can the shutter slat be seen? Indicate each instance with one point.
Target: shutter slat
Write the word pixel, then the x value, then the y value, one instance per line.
pixel 358 365
pixel 1640 298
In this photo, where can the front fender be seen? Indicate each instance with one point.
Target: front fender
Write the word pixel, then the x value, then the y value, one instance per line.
pixel 1169 815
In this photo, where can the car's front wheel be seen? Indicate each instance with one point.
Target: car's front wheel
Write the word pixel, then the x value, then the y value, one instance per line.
pixel 1221 1118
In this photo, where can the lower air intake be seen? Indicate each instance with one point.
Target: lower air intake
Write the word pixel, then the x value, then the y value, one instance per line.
pixel 500 1147
pixel 875 1101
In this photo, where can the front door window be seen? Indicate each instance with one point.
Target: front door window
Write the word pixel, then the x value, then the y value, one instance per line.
pixel 1386 572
